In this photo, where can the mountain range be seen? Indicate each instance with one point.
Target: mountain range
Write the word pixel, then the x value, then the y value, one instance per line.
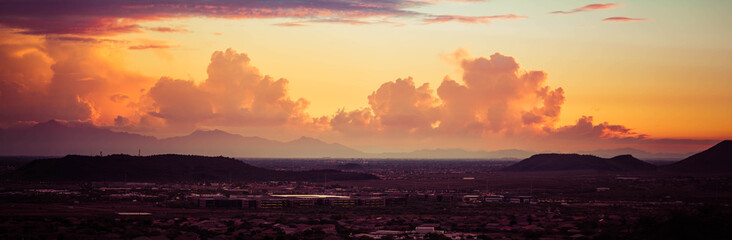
pixel 54 138
pixel 456 153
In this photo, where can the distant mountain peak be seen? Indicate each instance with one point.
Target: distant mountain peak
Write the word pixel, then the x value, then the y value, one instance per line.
pixel 540 155
pixel 305 139
pixel 50 123
pixel 60 124
pixel 210 132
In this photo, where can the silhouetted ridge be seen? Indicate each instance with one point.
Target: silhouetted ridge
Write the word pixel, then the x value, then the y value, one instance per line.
pixel 55 138
pixel 350 166
pixel 213 133
pixel 309 140
pixel 563 162
pixel 165 168
pixel 640 154
pixel 717 159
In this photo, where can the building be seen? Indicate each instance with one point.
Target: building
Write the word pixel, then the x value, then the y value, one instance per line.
pixel 340 202
pixel 493 198
pixel 272 203
pixel 521 199
pixel 373 202
pixel 220 203
pixel 471 198
pixel 303 202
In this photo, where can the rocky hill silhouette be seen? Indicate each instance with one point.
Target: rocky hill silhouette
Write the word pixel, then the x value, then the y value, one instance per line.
pixel 564 162
pixel 165 168
pixel 717 159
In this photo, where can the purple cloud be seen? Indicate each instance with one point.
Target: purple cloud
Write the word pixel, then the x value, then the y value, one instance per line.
pixel 590 7
pixel 110 17
pixel 469 19
pixel 624 19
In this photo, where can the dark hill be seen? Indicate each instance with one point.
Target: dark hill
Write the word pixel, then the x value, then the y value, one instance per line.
pixel 717 159
pixel 563 162
pixel 350 166
pixel 165 168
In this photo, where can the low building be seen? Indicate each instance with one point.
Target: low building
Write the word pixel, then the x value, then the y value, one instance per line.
pixel 382 233
pixel 373 202
pixel 521 199
pixel 272 203
pixel 493 198
pixel 302 202
pixel 396 200
pixel 339 202
pixel 471 198
pixel 424 230
pixel 220 203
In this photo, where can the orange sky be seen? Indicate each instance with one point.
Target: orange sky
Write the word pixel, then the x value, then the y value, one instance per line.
pixel 379 75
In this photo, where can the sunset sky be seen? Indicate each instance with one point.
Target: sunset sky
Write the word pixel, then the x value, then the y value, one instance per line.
pixel 380 75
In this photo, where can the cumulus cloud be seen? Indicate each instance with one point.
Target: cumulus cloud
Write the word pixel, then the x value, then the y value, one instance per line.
pixel 587 130
pixel 624 19
pixel 42 79
pixel 588 135
pixel 118 98
pixel 358 122
pixel 399 106
pixel 180 102
pixel 234 94
pixel 549 111
pixel 48 78
pixel 495 96
pixel 121 122
pixel 494 102
pixel 396 108
pixel 590 7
